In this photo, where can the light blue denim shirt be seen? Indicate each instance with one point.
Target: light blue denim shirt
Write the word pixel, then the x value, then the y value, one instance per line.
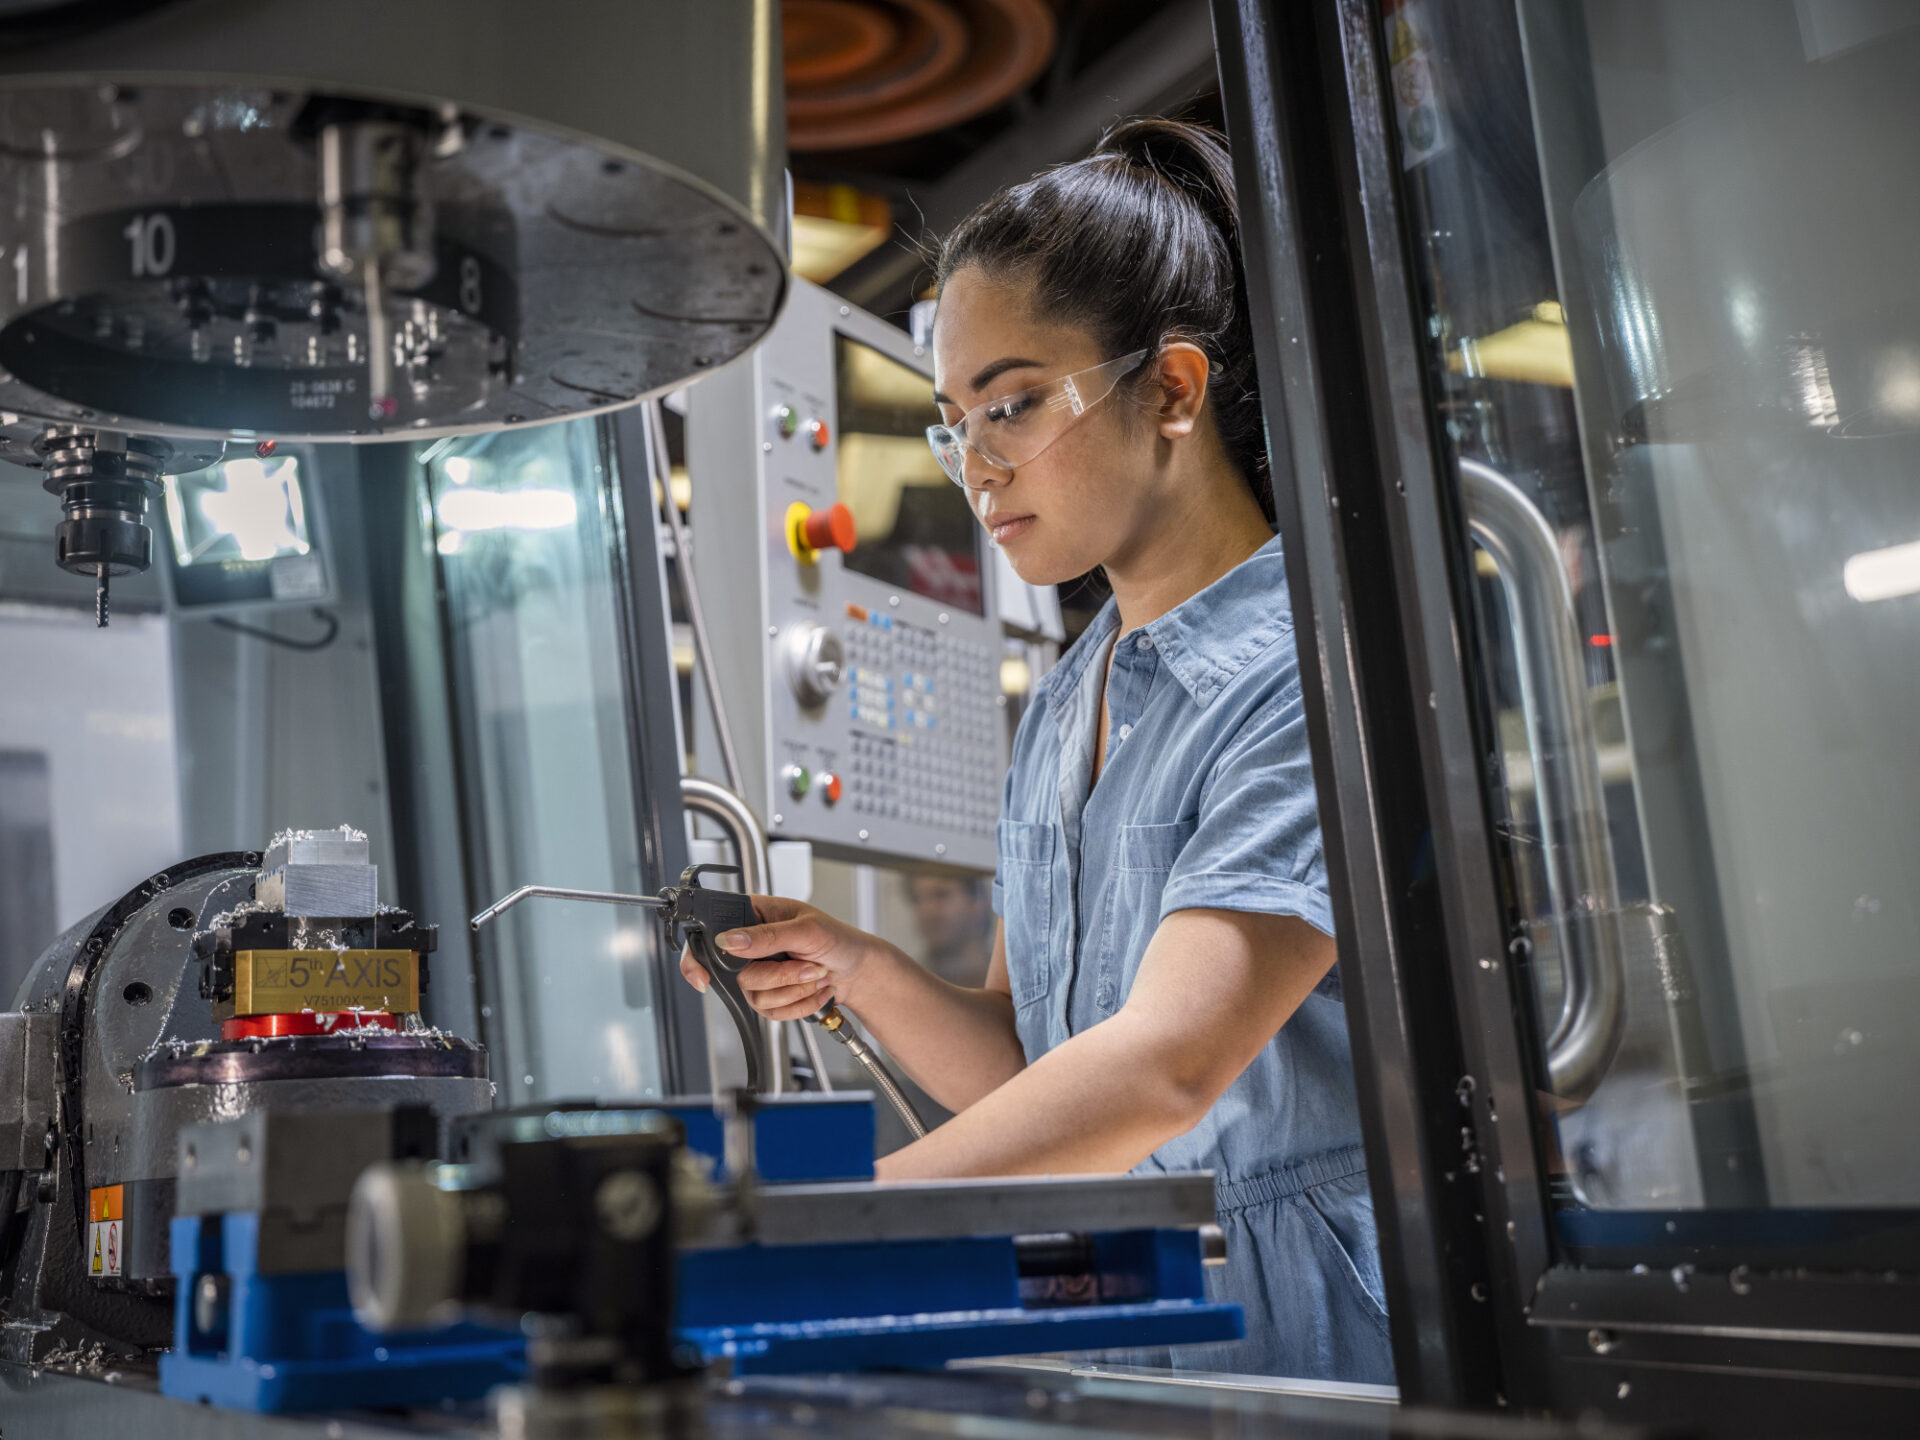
pixel 1205 800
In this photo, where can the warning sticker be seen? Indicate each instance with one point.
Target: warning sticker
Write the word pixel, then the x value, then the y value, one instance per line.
pixel 104 1247
pixel 1424 129
pixel 106 1235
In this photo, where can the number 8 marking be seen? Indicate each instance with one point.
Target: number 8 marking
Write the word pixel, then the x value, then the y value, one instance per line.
pixel 470 285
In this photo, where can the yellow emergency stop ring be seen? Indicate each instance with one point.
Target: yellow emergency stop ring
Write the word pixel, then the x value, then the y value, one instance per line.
pixel 797 514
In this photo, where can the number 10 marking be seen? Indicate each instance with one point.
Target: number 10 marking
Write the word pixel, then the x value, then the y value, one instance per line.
pixel 150 238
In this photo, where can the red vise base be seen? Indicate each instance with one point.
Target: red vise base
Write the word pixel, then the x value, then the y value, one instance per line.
pixel 248 1027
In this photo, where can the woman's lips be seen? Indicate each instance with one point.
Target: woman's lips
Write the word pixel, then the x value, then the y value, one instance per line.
pixel 1010 528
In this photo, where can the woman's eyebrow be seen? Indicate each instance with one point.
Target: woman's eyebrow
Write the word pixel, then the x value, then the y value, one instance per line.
pixel 986 376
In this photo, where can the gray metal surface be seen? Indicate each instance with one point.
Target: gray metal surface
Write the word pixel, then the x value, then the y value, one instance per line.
pixel 29 1047
pixel 928 795
pixel 956 1209
pixel 1568 790
pixel 1201 1379
pixel 47 1405
pixel 622 176
pixel 276 1160
pixel 344 846
pixel 294 1171
pixel 158 1116
pixel 144 991
pixel 319 873
pixel 661 462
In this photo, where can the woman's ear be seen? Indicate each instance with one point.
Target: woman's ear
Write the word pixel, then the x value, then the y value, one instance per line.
pixel 1183 388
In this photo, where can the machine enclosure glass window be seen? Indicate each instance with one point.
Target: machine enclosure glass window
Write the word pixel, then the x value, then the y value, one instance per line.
pixel 1677 358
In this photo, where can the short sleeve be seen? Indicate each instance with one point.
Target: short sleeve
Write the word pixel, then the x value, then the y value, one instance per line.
pixel 1256 846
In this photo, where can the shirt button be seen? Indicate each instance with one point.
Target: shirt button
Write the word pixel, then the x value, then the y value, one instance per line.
pixel 1145 642
pixel 1125 730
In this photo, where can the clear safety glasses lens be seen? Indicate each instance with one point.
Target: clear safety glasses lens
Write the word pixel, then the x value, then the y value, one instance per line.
pixel 1010 431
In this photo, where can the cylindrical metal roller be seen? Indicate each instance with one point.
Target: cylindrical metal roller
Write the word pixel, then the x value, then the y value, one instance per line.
pixel 406 1249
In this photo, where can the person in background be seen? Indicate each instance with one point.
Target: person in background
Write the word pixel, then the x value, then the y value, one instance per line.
pixel 954 916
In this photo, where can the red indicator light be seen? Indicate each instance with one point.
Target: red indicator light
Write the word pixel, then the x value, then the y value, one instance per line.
pixel 266 448
pixel 1601 640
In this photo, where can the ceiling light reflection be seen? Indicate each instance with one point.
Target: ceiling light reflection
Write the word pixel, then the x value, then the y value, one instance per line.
pixel 1883 574
pixel 531 509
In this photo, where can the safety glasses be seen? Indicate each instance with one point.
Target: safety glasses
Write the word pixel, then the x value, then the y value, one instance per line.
pixel 1010 431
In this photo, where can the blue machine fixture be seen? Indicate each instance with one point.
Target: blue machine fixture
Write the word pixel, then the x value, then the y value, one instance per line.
pixel 836 1274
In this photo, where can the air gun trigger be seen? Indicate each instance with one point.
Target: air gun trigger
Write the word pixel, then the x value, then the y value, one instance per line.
pixel 725 971
pixel 731 964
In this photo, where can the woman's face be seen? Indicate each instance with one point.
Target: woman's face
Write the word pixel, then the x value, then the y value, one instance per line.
pixel 1084 499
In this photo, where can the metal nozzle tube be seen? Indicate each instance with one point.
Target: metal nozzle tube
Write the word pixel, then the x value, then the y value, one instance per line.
pixel 555 892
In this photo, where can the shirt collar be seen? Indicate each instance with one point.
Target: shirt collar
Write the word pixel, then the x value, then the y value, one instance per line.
pixel 1206 639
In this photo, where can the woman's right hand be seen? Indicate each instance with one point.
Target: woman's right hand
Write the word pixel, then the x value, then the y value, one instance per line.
pixel 824 958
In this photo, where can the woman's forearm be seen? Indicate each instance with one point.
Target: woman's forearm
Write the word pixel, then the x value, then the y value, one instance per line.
pixel 958 1044
pixel 1100 1103
pixel 1213 988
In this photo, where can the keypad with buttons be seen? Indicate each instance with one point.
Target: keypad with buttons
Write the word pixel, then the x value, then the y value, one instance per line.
pixel 925 710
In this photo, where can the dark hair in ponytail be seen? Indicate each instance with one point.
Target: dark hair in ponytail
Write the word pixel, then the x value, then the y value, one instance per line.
pixel 1139 243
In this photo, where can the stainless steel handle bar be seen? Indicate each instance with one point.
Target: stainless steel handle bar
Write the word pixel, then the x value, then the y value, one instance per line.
pixel 1581 885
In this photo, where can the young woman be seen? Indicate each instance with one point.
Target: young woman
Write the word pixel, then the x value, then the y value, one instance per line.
pixel 1162 993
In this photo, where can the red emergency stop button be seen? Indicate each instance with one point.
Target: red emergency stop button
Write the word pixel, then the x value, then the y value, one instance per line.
pixel 830 787
pixel 810 531
pixel 829 529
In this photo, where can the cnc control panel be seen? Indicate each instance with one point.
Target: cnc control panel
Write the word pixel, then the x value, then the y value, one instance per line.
pixel 850 594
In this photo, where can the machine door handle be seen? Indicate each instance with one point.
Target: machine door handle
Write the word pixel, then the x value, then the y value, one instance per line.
pixel 1568 792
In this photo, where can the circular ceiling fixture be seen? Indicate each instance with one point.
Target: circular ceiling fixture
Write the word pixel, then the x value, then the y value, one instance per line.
pixel 870 72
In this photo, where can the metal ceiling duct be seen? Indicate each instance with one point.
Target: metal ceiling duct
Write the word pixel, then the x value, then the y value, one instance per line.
pixel 236 218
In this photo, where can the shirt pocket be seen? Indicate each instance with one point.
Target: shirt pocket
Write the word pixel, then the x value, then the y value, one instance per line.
pixel 1142 857
pixel 1026 881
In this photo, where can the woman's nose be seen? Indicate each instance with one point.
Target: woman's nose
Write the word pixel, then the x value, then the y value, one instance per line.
pixel 979 474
